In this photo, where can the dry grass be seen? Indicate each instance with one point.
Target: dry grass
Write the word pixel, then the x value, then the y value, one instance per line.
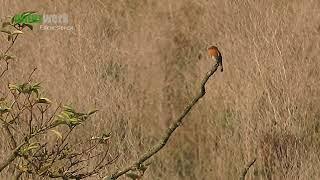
pixel 137 61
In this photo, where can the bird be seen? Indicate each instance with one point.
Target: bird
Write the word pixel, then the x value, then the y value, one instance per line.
pixel 215 54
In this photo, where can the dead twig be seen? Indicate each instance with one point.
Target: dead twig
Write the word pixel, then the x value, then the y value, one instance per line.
pixel 246 169
pixel 11 157
pixel 164 139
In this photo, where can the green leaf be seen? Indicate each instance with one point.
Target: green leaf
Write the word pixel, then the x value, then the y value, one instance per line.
pixel 68 108
pixel 26 88
pixel 32 147
pixel 23 88
pixel 14 87
pixel 29 88
pixel 27 13
pixel 35 88
pixel 72 118
pixel 66 115
pixel 73 122
pixel 29 148
pixel 59 121
pixel 20 17
pixel 13 18
pixel 57 133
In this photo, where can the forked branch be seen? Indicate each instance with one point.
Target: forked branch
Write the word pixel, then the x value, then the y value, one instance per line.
pixel 164 139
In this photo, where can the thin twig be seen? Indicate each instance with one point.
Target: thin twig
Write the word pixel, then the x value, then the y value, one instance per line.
pixel 246 169
pixel 5 70
pixel 30 76
pixel 163 141
pixel 5 53
pixel 12 157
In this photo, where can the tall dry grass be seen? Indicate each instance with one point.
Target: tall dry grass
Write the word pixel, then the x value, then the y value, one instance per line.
pixel 140 62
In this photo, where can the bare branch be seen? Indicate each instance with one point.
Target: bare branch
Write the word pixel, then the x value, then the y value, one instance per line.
pixel 13 142
pixel 5 70
pixel 246 169
pixel 5 52
pixel 163 141
pixel 12 157
pixel 30 76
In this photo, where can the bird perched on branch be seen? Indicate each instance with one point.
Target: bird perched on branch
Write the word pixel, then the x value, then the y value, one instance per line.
pixel 215 54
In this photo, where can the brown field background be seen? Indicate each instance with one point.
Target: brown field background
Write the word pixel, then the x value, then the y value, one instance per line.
pixel 141 61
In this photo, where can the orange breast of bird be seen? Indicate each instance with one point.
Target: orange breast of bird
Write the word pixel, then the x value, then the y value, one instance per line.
pixel 213 52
